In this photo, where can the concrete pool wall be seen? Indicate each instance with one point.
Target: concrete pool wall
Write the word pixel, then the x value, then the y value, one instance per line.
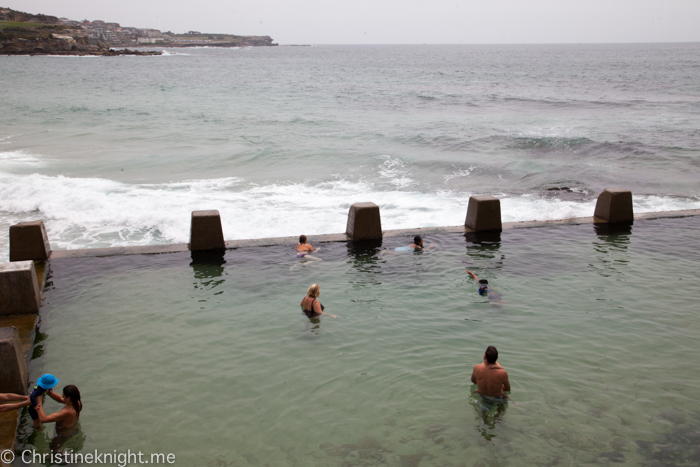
pixel 30 251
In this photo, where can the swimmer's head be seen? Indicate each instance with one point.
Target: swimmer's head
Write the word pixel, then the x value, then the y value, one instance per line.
pixel 314 291
pixel 71 392
pixel 418 240
pixel 483 281
pixel 491 354
pixel 302 239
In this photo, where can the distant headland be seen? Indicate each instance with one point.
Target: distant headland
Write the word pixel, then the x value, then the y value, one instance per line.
pixel 28 34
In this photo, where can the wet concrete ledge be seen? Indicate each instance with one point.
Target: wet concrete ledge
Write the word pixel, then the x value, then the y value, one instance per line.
pixel 232 244
pixel 26 325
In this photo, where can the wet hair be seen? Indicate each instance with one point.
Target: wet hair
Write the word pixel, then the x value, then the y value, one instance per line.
pixel 72 393
pixel 491 354
pixel 417 239
pixel 314 291
pixel 483 281
pixel 302 239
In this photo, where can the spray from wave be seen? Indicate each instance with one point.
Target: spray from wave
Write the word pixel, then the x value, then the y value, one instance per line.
pixel 96 212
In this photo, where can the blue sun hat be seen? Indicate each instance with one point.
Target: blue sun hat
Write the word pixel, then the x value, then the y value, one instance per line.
pixel 47 381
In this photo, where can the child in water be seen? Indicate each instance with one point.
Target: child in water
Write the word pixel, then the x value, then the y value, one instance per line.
pixel 42 388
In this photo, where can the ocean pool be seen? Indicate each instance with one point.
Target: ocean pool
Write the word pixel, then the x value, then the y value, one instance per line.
pixel 210 358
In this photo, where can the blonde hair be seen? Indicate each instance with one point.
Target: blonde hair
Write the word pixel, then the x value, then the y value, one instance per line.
pixel 314 291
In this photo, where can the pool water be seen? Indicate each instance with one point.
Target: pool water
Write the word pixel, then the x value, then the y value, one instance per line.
pixel 210 358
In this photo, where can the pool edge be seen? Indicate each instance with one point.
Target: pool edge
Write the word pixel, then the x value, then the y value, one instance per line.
pixel 326 238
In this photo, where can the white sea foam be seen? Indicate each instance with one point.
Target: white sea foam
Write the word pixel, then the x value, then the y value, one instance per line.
pixel 16 158
pixel 396 172
pixel 170 54
pixel 94 212
pixel 72 56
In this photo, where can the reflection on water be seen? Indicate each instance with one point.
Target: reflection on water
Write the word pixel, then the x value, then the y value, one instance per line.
pixel 611 246
pixel 484 248
pixel 208 267
pixel 39 338
pixel 615 228
pixel 365 258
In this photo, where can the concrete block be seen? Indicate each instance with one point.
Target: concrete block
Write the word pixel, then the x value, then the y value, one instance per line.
pixel 206 232
pixel 614 205
pixel 13 366
pixel 19 289
pixel 364 222
pixel 28 241
pixel 484 213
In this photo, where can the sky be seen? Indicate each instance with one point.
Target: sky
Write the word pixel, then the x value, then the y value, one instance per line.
pixel 399 21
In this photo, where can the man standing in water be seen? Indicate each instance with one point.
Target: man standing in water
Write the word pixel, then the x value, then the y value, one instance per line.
pixel 490 377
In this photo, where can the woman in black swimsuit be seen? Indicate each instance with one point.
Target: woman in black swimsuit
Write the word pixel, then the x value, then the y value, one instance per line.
pixel 310 305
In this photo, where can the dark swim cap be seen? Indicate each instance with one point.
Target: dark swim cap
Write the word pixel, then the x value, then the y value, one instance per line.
pixel 483 281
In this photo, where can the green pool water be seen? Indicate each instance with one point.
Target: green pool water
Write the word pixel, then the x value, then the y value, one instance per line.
pixel 211 358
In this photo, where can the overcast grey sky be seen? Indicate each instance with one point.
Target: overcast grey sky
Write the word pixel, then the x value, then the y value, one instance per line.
pixel 400 21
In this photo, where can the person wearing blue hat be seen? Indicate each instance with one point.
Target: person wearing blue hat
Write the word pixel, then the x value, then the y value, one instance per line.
pixel 42 388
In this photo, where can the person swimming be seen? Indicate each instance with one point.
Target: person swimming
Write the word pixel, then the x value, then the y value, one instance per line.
pixel 417 245
pixel 304 251
pixel 303 248
pixel 485 289
pixel 310 306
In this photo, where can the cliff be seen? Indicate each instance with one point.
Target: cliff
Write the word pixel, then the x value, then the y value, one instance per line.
pixel 7 14
pixel 27 34
pixel 215 40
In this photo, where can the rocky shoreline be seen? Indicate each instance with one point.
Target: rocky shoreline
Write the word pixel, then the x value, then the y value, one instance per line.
pixel 83 53
pixel 27 34
pixel 47 40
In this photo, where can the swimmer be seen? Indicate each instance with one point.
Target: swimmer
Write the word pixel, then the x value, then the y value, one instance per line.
pixel 23 402
pixel 42 389
pixel 303 248
pixel 484 288
pixel 304 251
pixel 417 245
pixel 311 307
pixel 67 418
pixel 490 377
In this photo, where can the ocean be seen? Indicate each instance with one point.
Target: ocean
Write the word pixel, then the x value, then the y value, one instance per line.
pixel 282 140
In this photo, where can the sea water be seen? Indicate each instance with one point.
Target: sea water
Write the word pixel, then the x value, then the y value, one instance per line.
pixel 211 359
pixel 116 151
